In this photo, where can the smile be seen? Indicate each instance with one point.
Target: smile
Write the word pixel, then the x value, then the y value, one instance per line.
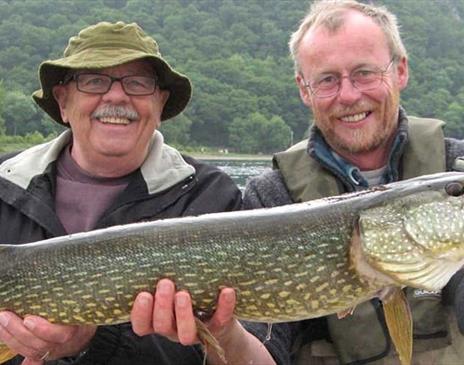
pixel 355 117
pixel 114 120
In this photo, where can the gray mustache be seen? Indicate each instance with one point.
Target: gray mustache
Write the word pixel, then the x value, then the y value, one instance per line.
pixel 115 111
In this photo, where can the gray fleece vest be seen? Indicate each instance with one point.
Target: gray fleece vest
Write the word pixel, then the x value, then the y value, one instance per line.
pixel 363 337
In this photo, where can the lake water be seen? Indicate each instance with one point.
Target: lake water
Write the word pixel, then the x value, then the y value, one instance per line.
pixel 241 170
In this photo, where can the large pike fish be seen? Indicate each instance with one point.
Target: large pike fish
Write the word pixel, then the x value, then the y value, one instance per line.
pixel 286 263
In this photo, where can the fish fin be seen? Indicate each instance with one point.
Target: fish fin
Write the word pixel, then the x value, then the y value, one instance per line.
pixel 5 353
pixel 345 313
pixel 424 273
pixel 399 322
pixel 208 341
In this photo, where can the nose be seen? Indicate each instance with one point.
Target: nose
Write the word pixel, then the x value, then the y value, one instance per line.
pixel 348 93
pixel 116 93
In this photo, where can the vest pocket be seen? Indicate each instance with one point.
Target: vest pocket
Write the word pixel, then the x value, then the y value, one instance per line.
pixel 430 321
pixel 361 337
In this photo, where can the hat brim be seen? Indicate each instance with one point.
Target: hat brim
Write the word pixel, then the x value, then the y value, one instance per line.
pixel 52 72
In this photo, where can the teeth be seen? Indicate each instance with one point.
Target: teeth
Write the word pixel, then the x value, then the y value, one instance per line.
pixel 354 118
pixel 114 120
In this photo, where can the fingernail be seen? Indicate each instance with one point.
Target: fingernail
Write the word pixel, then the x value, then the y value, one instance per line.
pixel 143 300
pixel 181 300
pixel 229 296
pixel 4 319
pixel 29 323
pixel 164 287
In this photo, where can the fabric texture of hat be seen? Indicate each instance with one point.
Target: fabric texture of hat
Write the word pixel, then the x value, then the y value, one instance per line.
pixel 106 45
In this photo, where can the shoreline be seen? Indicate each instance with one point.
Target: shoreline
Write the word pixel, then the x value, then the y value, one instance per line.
pixel 206 156
pixel 198 155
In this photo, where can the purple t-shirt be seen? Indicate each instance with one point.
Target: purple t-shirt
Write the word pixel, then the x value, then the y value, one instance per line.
pixel 81 198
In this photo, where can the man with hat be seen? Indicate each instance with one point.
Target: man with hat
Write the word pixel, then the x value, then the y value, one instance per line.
pixel 112 89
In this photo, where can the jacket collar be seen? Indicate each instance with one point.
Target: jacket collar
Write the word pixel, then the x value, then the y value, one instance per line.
pixel 24 166
pixel 163 167
pixel 349 174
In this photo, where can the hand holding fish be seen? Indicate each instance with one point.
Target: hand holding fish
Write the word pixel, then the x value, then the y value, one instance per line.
pixel 166 312
pixel 38 340
pixel 170 314
pixel 286 263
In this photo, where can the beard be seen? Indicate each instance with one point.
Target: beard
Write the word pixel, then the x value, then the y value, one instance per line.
pixel 370 137
pixel 360 141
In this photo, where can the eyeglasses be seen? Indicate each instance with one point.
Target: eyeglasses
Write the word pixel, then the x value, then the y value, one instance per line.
pixel 364 79
pixel 93 83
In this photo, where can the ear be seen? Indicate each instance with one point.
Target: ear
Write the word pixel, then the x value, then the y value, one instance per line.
pixel 161 97
pixel 305 93
pixel 60 93
pixel 402 72
pixel 164 96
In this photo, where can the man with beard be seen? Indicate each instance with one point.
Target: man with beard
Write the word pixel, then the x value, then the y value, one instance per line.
pixel 350 66
pixel 112 89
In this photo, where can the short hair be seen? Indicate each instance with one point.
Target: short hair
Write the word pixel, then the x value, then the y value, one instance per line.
pixel 331 15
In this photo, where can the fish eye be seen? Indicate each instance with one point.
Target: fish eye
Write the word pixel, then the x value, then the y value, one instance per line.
pixel 454 189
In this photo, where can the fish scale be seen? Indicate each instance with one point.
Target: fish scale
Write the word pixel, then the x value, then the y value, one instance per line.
pixel 92 276
pixel 285 263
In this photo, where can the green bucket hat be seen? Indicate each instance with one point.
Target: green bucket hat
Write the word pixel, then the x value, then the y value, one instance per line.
pixel 106 45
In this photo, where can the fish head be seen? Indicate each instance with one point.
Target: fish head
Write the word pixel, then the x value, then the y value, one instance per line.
pixel 417 238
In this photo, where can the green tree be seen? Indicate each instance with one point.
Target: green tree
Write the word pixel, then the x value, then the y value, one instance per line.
pixel 258 134
pixel 2 103
pixel 20 114
pixel 454 118
pixel 275 135
pixel 236 54
pixel 177 131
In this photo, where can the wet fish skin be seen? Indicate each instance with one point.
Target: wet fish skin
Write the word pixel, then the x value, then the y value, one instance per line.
pixel 286 263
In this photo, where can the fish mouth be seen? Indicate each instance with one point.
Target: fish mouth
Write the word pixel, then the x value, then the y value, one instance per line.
pixel 355 118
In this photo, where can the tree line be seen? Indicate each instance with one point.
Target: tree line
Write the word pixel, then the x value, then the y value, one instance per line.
pixel 235 53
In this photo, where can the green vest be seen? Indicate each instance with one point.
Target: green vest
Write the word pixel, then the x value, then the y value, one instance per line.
pixel 363 337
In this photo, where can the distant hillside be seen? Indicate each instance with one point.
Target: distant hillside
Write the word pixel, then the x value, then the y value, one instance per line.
pixel 235 52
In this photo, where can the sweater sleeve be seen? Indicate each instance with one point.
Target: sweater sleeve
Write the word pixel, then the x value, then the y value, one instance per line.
pixel 454 149
pixel 265 191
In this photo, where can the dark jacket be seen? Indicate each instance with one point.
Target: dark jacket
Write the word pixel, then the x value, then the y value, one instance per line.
pixel 27 187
